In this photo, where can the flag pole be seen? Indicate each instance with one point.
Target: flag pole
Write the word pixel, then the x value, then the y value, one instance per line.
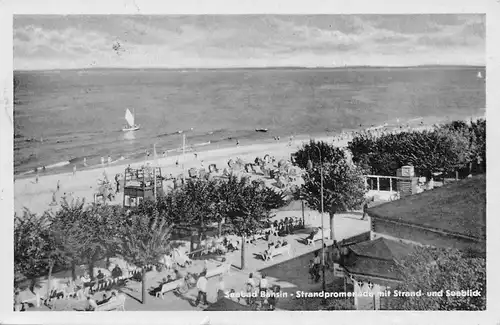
pixel 154 169
pixel 183 157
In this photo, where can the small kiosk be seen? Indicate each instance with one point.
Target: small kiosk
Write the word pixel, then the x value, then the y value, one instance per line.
pixel 140 184
pixel 407 183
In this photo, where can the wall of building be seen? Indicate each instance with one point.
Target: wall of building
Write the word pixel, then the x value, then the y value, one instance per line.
pixel 383 228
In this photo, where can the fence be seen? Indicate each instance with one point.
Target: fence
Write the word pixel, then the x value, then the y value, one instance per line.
pixel 382 183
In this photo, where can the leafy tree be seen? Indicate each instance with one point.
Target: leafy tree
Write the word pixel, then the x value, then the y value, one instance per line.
pixel 101 232
pixel 435 269
pixel 73 228
pixel 343 188
pixel 144 241
pixel 273 199
pixel 311 152
pixel 34 248
pixel 443 149
pixel 479 130
pixel 245 208
pixel 200 194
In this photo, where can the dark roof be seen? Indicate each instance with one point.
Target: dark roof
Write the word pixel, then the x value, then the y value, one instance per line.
pixel 382 248
pixel 458 208
pixel 226 304
pixel 365 236
pixel 372 267
pixel 377 258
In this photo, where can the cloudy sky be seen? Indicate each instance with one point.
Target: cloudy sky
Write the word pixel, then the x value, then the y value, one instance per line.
pixel 64 42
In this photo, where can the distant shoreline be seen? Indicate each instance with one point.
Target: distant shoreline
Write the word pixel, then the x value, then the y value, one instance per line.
pixel 355 67
pixel 390 125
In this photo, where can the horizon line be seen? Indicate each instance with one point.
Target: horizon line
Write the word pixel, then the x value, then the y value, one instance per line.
pixel 262 68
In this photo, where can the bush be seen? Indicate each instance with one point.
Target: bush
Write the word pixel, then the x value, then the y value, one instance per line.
pixel 445 149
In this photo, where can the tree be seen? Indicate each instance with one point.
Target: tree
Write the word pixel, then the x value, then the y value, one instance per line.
pixel 244 208
pixel 343 188
pixel 273 199
pixel 34 248
pixel 438 270
pixel 144 241
pixel 311 151
pixel 442 149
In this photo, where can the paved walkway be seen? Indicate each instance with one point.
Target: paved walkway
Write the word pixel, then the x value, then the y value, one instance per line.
pixel 291 273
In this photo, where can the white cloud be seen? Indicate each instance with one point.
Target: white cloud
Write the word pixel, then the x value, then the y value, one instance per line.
pixel 248 41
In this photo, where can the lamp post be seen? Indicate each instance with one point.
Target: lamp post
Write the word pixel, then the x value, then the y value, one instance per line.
pixel 309 163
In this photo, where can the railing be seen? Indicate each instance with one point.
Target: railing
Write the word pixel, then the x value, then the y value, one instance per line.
pixel 382 183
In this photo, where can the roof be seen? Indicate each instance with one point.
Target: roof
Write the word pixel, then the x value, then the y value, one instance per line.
pixel 377 258
pixel 365 236
pixel 458 208
pixel 226 304
pixel 382 248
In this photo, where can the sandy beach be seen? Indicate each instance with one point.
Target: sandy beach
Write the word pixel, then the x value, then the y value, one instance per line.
pixel 37 196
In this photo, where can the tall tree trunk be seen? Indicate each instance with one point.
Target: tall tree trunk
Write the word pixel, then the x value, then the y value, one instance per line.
pixel 107 261
pixel 219 229
pixel 91 269
pixel 243 239
pixel 51 266
pixel 332 224
pixel 73 270
pixel 191 242
pixel 143 285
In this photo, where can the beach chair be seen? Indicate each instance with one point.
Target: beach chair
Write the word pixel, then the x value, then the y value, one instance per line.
pixel 118 304
pixel 212 168
pixel 181 258
pixel 271 253
pixel 224 268
pixel 167 287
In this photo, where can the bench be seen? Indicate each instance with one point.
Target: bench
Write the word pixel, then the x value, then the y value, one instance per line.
pixel 117 304
pixel 317 236
pixel 254 237
pixel 269 254
pixel 221 269
pixel 167 287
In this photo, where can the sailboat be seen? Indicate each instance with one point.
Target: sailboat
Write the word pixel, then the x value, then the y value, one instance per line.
pixel 479 75
pixel 130 118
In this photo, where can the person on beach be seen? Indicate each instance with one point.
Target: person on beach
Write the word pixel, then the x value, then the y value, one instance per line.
pixel 74 170
pixel 58 185
pixel 36 179
pixel 164 154
pixel 54 202
pixel 117 181
pixel 85 162
pixel 109 160
pixel 365 210
pixel 237 143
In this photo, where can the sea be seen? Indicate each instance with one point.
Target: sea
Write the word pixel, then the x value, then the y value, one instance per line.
pixel 62 117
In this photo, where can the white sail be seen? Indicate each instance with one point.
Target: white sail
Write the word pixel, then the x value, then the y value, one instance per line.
pixel 129 117
pixel 480 75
